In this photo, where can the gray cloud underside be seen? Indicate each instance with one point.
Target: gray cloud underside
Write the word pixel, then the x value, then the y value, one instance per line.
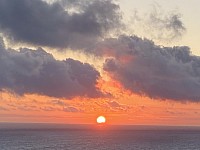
pixel 139 64
pixel 37 72
pixel 151 70
pixel 44 24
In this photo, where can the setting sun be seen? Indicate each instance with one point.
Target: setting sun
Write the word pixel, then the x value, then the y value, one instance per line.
pixel 101 119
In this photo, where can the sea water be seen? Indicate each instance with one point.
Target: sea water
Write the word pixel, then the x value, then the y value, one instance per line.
pixel 94 137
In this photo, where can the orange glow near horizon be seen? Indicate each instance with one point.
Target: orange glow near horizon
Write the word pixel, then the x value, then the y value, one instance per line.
pixel 123 108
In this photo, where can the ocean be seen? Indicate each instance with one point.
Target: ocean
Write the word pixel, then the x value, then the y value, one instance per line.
pixel 94 137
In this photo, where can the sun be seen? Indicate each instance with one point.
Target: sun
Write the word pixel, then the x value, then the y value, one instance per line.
pixel 101 119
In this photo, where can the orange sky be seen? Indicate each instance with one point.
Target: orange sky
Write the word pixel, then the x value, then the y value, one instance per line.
pixel 122 108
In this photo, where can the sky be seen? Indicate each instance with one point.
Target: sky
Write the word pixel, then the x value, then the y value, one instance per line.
pixel 189 11
pixel 70 61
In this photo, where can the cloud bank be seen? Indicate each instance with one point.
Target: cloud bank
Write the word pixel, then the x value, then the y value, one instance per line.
pixel 37 72
pixel 52 24
pixel 138 64
pixel 158 72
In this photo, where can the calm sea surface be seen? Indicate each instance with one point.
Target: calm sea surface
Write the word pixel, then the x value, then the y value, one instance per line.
pixel 75 137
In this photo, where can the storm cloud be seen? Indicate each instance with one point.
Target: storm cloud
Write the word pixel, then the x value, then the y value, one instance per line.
pixel 37 72
pixel 154 71
pixel 55 25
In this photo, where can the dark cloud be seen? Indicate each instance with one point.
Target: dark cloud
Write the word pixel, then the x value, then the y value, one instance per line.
pixel 151 70
pixel 44 24
pixel 38 72
pixel 140 65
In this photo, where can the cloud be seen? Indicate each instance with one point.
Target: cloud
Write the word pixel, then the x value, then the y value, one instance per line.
pixel 37 72
pixel 3 109
pixel 113 104
pixel 24 107
pixel 49 108
pixel 71 109
pixel 147 69
pixel 158 25
pixel 171 25
pixel 52 24
pixel 58 102
pixel 138 64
